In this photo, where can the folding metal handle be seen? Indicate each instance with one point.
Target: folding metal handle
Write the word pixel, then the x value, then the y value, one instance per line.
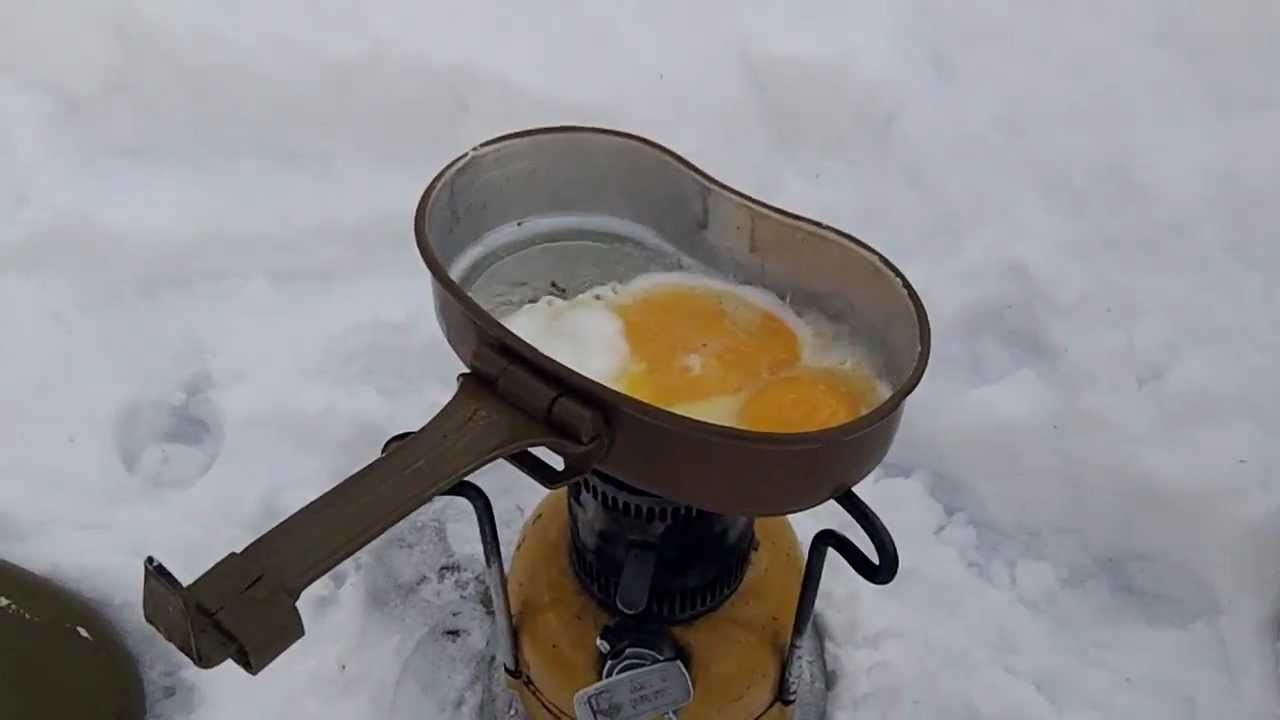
pixel 880 572
pixel 244 607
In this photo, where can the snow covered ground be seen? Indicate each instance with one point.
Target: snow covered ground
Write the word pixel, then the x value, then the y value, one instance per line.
pixel 206 256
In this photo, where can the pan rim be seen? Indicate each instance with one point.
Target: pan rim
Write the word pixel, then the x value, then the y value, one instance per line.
pixel 493 330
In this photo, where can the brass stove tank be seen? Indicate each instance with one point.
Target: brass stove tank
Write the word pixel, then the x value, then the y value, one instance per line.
pixel 735 651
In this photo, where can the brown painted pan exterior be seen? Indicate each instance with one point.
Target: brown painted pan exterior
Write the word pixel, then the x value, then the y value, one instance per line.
pixel 714 467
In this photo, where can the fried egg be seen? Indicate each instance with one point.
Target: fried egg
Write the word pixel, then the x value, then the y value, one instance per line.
pixel 716 351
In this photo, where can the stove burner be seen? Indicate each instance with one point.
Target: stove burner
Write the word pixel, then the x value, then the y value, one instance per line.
pixel 641 555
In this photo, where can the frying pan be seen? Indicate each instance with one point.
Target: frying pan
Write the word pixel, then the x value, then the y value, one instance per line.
pixel 558 211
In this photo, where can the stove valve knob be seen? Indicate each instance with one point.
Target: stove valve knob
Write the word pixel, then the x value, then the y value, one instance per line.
pixel 637 685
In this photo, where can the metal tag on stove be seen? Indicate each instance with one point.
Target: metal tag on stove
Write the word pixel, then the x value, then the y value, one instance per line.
pixel 643 694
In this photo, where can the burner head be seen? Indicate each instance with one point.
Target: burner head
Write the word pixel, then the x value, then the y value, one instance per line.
pixel 643 556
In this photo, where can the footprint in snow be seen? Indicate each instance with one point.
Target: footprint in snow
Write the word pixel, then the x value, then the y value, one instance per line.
pixel 172 437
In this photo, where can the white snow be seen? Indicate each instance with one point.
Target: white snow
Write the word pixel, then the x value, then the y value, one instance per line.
pixel 207 274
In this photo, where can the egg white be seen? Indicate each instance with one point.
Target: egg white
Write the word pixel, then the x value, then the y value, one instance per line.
pixel 583 334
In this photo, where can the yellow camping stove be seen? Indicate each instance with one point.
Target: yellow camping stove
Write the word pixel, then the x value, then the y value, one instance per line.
pixel 623 603
pixel 626 605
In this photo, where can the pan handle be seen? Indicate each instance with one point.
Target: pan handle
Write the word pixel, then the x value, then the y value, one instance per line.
pixel 244 607
pixel 877 573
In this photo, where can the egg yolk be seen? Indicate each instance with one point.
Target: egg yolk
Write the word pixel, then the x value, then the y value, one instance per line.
pixel 691 344
pixel 807 400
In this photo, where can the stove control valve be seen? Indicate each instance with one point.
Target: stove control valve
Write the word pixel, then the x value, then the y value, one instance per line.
pixel 643 678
